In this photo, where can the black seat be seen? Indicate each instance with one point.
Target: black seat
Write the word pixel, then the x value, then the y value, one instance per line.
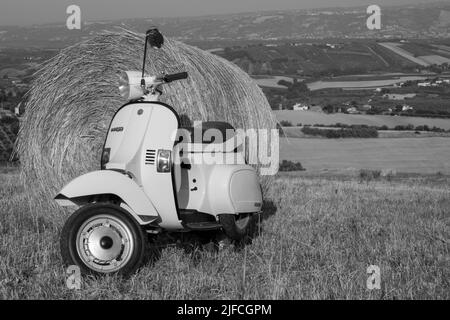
pixel 227 131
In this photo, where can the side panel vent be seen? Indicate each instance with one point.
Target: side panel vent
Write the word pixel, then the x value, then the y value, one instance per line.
pixel 150 156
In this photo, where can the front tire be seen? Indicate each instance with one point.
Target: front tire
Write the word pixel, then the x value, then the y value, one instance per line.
pixel 103 238
pixel 237 227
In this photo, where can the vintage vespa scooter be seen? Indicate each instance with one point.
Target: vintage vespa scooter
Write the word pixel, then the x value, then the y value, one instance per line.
pixel 150 182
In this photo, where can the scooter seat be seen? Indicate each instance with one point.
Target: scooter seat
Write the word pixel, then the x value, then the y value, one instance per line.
pixel 227 131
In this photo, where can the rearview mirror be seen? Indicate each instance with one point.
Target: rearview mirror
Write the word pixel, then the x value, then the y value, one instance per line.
pixel 154 38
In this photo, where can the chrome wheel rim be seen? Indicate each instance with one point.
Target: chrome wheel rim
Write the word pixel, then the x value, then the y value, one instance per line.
pixel 105 243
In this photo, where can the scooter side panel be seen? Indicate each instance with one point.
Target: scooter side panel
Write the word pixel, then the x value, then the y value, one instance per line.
pixel 218 188
pixel 234 189
pixel 245 191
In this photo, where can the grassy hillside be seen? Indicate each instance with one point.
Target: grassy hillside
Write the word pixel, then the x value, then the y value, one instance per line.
pixel 317 59
pixel 426 20
pixel 316 241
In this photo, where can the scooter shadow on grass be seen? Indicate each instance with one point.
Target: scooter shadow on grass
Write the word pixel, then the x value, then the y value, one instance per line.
pixel 196 244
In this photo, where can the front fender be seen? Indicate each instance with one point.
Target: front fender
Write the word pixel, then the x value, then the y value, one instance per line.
pixel 108 182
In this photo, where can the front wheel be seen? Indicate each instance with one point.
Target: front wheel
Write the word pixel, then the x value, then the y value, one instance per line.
pixel 102 238
pixel 237 227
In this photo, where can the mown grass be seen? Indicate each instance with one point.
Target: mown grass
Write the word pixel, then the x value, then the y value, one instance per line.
pixel 315 242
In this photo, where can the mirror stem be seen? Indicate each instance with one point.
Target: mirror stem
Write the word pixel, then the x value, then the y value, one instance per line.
pixel 145 58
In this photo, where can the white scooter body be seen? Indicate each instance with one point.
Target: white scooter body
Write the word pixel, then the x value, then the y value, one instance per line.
pixel 139 132
pixel 154 179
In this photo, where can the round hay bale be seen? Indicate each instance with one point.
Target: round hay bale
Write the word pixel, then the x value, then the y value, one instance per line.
pixel 74 97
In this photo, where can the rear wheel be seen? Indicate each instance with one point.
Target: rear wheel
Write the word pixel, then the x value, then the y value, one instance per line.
pixel 103 238
pixel 237 227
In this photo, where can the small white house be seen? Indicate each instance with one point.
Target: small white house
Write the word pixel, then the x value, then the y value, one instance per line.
pixel 300 107
pixel 352 110
pixel 407 108
pixel 17 109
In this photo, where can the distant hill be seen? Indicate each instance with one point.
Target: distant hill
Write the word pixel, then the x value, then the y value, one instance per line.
pixel 431 20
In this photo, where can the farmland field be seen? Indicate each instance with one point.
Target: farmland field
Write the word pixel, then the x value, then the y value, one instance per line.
pixel 315 241
pixel 352 82
pixel 318 85
pixel 311 117
pixel 435 59
pixel 396 47
pixel 319 59
pixel 421 54
pixel 296 132
pixel 272 81
pixel 418 155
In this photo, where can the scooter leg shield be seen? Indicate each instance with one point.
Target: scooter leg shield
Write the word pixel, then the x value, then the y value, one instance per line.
pixel 108 182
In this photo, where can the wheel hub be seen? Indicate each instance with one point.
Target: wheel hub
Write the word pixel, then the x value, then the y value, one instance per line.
pixel 104 243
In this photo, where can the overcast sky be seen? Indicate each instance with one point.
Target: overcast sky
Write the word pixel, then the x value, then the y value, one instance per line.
pixel 26 12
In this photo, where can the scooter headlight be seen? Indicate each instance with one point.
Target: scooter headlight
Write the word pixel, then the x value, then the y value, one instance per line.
pixel 124 86
pixel 130 85
pixel 164 163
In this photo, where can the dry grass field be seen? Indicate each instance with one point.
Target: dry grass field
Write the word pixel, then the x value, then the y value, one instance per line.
pixel 311 117
pixel 316 240
pixel 296 132
pixel 376 82
pixel 424 155
pixel 361 84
